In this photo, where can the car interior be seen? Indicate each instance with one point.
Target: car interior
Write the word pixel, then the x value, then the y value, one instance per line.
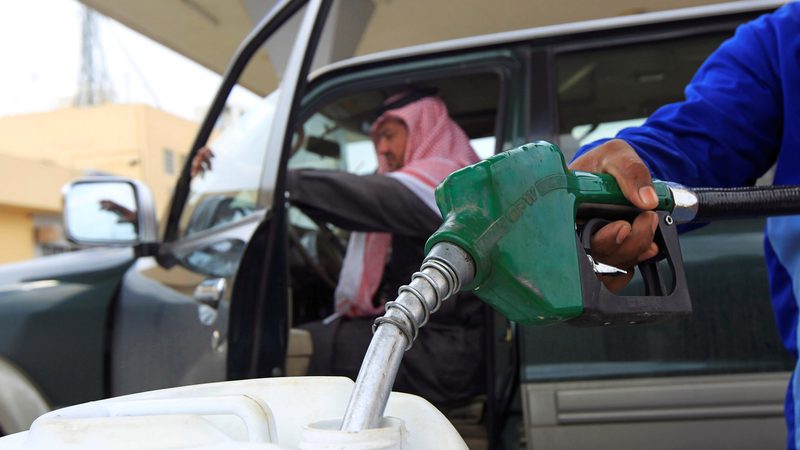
pixel 336 137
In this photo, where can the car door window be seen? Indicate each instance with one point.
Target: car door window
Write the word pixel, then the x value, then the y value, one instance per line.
pixel 731 329
pixel 228 189
pixel 602 91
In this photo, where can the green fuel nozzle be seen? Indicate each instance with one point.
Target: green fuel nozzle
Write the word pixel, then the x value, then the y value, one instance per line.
pixel 525 219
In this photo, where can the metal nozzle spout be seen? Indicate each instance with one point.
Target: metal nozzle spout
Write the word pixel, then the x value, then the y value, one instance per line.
pixel 443 272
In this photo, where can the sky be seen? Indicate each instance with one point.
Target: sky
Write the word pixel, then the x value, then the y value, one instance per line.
pixel 41 45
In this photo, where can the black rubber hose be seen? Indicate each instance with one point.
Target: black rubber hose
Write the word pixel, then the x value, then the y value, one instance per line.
pixel 742 202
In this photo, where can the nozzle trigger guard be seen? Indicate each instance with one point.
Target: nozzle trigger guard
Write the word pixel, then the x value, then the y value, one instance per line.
pixel 586 232
pixel 664 299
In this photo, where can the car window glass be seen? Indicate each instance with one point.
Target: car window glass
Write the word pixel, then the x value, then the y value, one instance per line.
pixel 353 152
pixel 219 259
pixel 731 328
pixel 227 190
pixel 323 143
pixel 602 91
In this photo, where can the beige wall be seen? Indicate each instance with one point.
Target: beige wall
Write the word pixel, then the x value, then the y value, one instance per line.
pixel 127 140
pixel 41 152
pixel 16 235
pixel 34 185
pixel 83 138
pixel 28 188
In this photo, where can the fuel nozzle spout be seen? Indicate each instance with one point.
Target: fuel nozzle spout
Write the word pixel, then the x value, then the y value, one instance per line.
pixel 446 268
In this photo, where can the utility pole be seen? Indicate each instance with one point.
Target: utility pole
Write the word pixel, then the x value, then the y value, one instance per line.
pixel 94 85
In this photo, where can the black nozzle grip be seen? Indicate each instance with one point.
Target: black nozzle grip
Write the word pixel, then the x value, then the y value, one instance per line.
pixel 663 299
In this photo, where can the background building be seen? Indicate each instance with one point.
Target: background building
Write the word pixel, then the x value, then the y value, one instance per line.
pixel 41 152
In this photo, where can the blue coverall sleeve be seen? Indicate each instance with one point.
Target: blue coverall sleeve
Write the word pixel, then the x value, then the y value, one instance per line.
pixel 727 130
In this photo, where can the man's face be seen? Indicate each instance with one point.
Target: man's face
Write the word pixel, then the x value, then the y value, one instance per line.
pixel 392 137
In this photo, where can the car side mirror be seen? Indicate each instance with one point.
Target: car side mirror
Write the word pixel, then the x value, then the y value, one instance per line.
pixel 110 211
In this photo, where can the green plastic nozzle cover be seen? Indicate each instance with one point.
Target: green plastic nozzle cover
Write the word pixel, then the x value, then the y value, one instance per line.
pixel 514 213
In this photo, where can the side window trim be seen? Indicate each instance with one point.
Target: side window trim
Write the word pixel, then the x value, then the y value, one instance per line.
pixel 292 89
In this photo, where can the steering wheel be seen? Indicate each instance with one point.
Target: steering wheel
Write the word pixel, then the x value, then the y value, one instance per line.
pixel 330 249
pixel 301 139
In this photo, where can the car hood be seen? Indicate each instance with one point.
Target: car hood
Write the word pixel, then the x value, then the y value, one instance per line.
pixel 81 265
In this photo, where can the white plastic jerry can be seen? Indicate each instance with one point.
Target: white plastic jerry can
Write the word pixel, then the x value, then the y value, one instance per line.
pixel 272 413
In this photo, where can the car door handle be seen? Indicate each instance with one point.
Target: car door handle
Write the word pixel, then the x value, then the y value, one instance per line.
pixel 209 292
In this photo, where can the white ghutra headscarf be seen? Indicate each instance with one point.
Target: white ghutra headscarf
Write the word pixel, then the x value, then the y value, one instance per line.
pixel 435 147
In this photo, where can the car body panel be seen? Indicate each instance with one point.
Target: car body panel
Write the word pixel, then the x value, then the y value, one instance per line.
pixel 163 335
pixel 722 412
pixel 54 319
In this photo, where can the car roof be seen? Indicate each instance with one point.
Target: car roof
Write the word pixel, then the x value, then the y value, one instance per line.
pixel 697 12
